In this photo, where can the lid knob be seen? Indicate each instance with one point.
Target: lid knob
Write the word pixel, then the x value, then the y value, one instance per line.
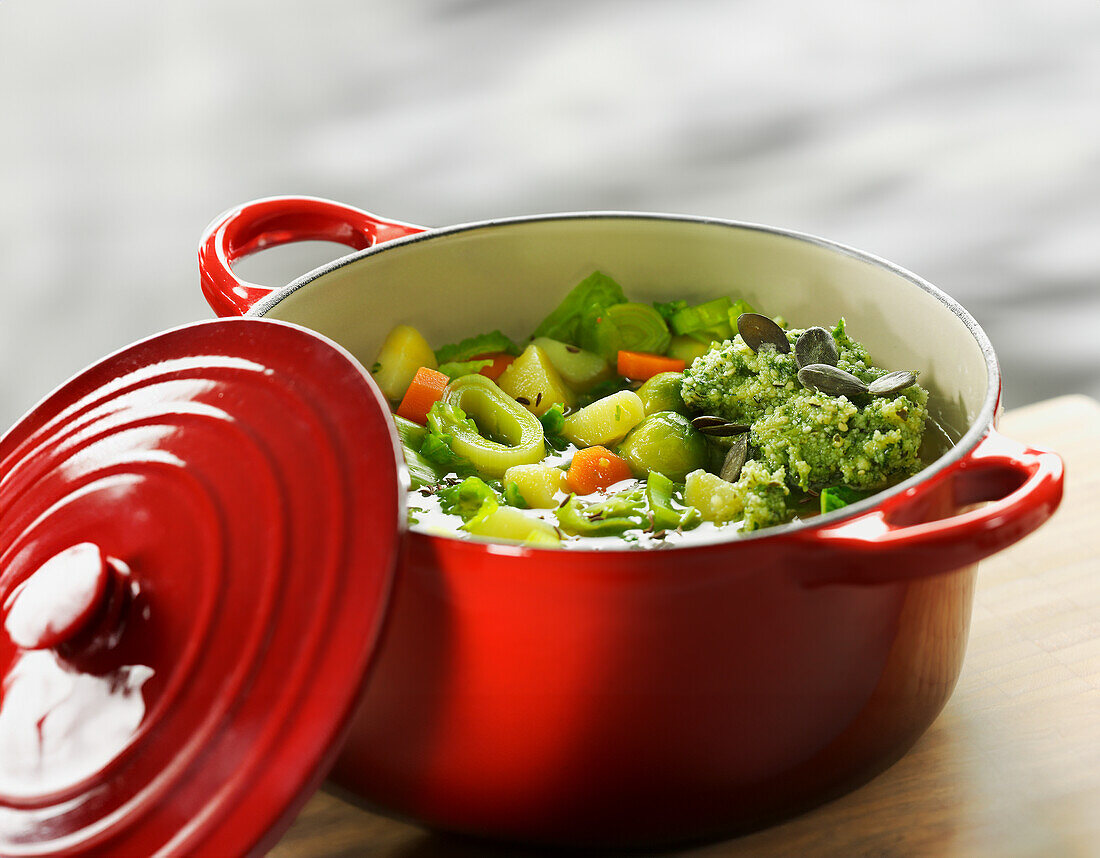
pixel 59 599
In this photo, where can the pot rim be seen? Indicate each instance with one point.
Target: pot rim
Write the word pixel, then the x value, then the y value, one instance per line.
pixel 979 426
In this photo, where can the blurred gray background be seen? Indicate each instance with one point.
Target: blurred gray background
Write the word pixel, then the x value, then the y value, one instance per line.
pixel 959 139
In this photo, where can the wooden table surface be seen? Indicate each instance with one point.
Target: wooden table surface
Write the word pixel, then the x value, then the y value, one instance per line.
pixel 1010 768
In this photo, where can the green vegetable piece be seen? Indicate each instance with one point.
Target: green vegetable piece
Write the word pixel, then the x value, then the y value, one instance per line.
pixel 411 434
pixel 624 327
pixel 457 369
pixel 621 512
pixel 667 510
pixel 710 319
pixel 605 421
pixel 667 443
pixel 553 422
pixel 579 368
pixel 737 309
pixel 668 309
pixel 471 498
pixel 482 344
pixel 602 390
pixel 596 291
pixel 512 525
pixel 837 497
pixel 661 392
pixel 422 470
pixel 687 348
pixel 436 450
pixel 498 433
pixel 513 496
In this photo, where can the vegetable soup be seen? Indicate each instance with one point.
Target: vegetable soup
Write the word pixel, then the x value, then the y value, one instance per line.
pixel 621 421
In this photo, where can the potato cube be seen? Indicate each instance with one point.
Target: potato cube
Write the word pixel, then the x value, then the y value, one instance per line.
pixel 537 484
pixel 717 500
pixel 605 421
pixel 534 383
pixel 402 354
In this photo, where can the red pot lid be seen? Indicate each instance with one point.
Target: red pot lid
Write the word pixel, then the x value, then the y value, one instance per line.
pixel 197 541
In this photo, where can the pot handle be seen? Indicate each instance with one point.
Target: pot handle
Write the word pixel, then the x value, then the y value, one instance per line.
pixel 272 221
pixel 1024 484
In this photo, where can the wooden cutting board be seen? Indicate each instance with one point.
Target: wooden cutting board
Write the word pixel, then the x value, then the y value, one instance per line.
pixel 1010 768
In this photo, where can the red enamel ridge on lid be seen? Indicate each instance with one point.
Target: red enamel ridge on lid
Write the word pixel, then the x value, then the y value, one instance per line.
pixel 55 603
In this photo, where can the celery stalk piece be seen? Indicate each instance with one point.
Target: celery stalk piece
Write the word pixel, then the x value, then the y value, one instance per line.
pixel 667 514
pixel 713 315
pixel 619 513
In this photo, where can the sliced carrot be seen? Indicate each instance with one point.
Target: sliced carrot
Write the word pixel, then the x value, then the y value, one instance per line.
pixel 642 365
pixel 500 362
pixel 596 468
pixel 426 389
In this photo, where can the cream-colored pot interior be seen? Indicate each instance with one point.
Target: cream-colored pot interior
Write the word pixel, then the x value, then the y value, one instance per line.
pixel 456 282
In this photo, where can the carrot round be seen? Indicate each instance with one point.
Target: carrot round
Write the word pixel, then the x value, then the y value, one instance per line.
pixel 426 389
pixel 642 365
pixel 596 468
pixel 500 362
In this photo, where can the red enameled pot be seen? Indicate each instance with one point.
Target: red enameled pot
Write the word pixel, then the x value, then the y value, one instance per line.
pixel 588 697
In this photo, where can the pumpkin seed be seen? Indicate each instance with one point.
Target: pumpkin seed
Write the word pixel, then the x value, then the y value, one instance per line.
pixel 725 430
pixel 892 382
pixel 757 330
pixel 831 380
pixel 815 345
pixel 735 459
pixel 718 427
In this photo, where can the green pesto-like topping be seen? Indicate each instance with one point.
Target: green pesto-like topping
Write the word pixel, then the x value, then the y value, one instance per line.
pixel 823 439
pixel 815 439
